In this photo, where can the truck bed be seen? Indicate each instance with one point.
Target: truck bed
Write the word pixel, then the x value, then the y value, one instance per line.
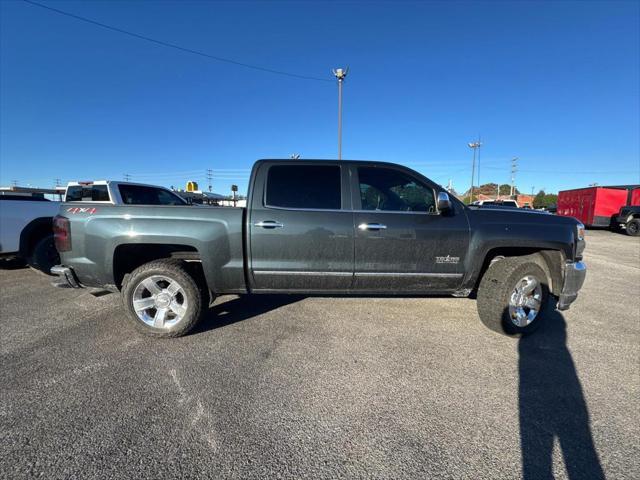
pixel 105 235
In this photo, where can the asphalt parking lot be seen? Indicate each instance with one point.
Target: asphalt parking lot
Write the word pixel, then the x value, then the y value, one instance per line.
pixel 294 387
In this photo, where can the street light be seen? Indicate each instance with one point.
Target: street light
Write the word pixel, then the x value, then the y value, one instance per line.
pixel 474 146
pixel 340 74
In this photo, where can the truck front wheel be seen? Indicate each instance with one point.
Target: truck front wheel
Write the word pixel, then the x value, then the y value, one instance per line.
pixel 513 295
pixel 633 227
pixel 163 299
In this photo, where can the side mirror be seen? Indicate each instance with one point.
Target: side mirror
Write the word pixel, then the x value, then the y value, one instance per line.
pixel 444 202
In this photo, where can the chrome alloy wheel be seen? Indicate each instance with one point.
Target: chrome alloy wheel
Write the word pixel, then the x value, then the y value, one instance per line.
pixel 525 301
pixel 160 301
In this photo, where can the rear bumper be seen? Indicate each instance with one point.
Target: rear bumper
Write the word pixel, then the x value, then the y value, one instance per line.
pixel 66 277
pixel 574 275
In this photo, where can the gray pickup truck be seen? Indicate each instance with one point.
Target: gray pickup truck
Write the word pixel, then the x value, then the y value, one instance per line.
pixel 323 227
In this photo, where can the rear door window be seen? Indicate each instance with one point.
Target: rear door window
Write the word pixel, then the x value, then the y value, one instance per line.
pixel 304 186
pixel 87 193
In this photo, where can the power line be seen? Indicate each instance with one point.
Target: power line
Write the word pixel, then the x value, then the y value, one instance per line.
pixel 176 47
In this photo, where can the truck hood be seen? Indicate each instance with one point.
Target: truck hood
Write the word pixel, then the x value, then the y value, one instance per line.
pixel 517 216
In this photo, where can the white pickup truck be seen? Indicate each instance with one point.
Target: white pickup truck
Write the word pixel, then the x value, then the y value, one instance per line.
pixel 26 230
pixel 26 221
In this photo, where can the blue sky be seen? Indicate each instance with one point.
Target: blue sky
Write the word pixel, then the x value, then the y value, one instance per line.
pixel 554 83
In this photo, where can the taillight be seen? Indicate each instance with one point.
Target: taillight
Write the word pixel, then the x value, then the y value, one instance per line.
pixel 62 233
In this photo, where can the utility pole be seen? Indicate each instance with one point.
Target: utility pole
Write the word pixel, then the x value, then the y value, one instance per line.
pixel 234 191
pixel 340 74
pixel 14 183
pixel 479 145
pixel 127 177
pixel 474 146
pixel 514 169
pixel 58 182
pixel 450 186
pixel 209 177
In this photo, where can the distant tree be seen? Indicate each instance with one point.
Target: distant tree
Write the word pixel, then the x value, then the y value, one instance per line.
pixel 505 189
pixel 550 199
pixel 543 199
pixel 538 201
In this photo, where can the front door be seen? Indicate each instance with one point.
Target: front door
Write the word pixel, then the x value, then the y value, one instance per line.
pixel 301 228
pixel 402 242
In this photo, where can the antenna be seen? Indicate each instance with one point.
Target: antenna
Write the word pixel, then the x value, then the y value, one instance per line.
pixel 127 177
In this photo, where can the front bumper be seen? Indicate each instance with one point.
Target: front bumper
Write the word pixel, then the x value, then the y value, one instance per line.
pixel 574 275
pixel 66 277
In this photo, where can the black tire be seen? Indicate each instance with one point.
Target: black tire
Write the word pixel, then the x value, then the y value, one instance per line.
pixel 44 255
pixel 192 294
pixel 633 227
pixel 496 288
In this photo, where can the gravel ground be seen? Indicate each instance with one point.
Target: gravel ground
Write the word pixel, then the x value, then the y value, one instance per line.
pixel 295 387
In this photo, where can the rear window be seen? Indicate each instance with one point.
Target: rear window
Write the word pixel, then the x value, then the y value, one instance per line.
pixel 304 186
pixel 87 193
pixel 142 195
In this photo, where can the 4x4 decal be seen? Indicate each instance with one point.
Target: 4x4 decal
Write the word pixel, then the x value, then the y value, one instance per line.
pixel 89 210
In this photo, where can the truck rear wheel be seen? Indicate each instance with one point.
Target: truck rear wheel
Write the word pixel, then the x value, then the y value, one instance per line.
pixel 43 255
pixel 163 299
pixel 512 296
pixel 633 227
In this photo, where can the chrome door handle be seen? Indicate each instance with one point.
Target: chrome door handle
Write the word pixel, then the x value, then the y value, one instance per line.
pixel 269 224
pixel 372 226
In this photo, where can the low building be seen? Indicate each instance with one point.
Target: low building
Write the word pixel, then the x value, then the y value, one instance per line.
pixel 523 200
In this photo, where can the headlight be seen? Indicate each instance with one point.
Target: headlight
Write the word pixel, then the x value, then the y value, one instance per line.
pixel 580 228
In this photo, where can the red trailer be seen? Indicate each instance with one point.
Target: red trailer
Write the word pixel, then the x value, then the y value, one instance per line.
pixel 597 206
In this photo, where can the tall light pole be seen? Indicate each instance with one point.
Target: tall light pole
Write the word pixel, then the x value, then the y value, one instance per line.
pixel 340 74
pixel 474 146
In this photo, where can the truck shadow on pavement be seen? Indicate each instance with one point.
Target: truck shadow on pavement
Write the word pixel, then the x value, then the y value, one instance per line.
pixel 552 405
pixel 242 308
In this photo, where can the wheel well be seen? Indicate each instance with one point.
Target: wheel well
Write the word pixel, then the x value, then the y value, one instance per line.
pixel 128 257
pixel 33 233
pixel 551 261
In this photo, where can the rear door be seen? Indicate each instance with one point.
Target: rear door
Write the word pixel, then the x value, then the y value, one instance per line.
pixel 300 225
pixel 402 242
